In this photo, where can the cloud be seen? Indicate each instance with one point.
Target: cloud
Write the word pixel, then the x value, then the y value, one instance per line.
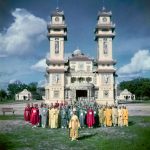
pixel 40 65
pixel 139 63
pixel 23 34
pixel 41 83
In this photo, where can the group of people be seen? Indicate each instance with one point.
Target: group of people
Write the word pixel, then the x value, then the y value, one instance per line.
pixel 61 115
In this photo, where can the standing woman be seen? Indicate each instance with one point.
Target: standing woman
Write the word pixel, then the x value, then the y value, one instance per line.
pixel 27 113
pixel 74 125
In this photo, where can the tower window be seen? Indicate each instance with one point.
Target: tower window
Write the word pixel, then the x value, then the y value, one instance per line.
pixel 56 30
pixel 73 79
pixel 105 46
pixel 56 94
pixel 88 68
pixel 106 93
pixel 81 66
pixel 105 30
pixel 56 45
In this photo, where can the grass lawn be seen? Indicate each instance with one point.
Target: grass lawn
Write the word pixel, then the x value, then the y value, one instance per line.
pixel 17 135
pixel 18 102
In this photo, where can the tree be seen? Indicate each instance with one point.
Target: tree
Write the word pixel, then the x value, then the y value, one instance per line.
pixel 32 87
pixel 3 95
pixel 15 88
pixel 140 87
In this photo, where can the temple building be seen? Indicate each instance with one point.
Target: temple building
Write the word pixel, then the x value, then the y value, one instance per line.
pixel 80 76
pixel 125 95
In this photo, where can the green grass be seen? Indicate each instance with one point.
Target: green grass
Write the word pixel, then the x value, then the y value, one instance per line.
pixel 134 137
pixel 11 117
pixel 17 102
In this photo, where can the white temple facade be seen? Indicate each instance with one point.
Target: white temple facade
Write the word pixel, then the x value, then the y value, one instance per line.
pixel 125 95
pixel 23 95
pixel 80 76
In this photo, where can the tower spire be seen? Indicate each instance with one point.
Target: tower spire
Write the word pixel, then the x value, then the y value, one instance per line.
pixel 103 8
pixel 57 5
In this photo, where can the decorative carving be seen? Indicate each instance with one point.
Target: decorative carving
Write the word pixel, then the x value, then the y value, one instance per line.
pixel 106 78
pixel 56 45
pixel 105 46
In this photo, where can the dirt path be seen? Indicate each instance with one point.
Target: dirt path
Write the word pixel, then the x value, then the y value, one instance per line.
pixel 134 109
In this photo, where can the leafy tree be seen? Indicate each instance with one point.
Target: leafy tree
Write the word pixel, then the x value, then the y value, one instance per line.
pixel 140 87
pixel 15 88
pixel 32 87
pixel 3 95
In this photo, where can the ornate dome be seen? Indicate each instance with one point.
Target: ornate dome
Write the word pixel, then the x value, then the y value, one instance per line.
pixel 77 52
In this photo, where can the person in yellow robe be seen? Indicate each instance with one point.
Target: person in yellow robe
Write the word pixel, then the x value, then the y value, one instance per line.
pixel 125 116
pixel 49 116
pixel 54 112
pixel 114 115
pixel 101 116
pixel 74 125
pixel 104 121
pixel 108 116
pixel 120 116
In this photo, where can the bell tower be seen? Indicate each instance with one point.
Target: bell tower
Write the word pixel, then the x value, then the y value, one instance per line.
pixel 57 35
pixel 104 35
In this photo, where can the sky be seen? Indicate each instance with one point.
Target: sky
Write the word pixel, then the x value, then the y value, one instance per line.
pixel 24 45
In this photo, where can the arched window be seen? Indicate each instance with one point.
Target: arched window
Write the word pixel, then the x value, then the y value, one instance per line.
pixel 56 45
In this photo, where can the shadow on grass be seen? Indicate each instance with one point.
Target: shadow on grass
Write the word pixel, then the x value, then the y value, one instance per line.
pixel 131 123
pixel 5 144
pixel 86 136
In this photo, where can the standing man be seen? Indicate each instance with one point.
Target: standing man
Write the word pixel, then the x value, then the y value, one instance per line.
pixel 70 112
pixel 125 116
pixel 101 116
pixel 82 114
pixel 90 120
pixel 35 116
pixel 74 125
pixel 114 115
pixel 40 114
pixel 108 116
pixel 120 117
pixel 63 116
pixel 44 114
pixel 54 112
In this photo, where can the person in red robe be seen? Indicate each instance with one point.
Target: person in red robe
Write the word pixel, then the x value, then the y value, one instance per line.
pixel 35 116
pixel 90 120
pixel 27 113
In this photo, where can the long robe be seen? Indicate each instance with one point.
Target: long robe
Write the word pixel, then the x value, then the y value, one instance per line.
pixel 125 117
pixel 64 116
pixel 54 112
pixel 74 125
pixel 101 116
pixel 120 117
pixel 49 117
pixel 114 116
pixel 27 113
pixel 82 114
pixel 90 120
pixel 34 116
pixel 108 117
pixel 44 113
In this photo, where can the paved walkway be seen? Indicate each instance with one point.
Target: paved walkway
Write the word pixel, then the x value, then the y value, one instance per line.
pixel 134 109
